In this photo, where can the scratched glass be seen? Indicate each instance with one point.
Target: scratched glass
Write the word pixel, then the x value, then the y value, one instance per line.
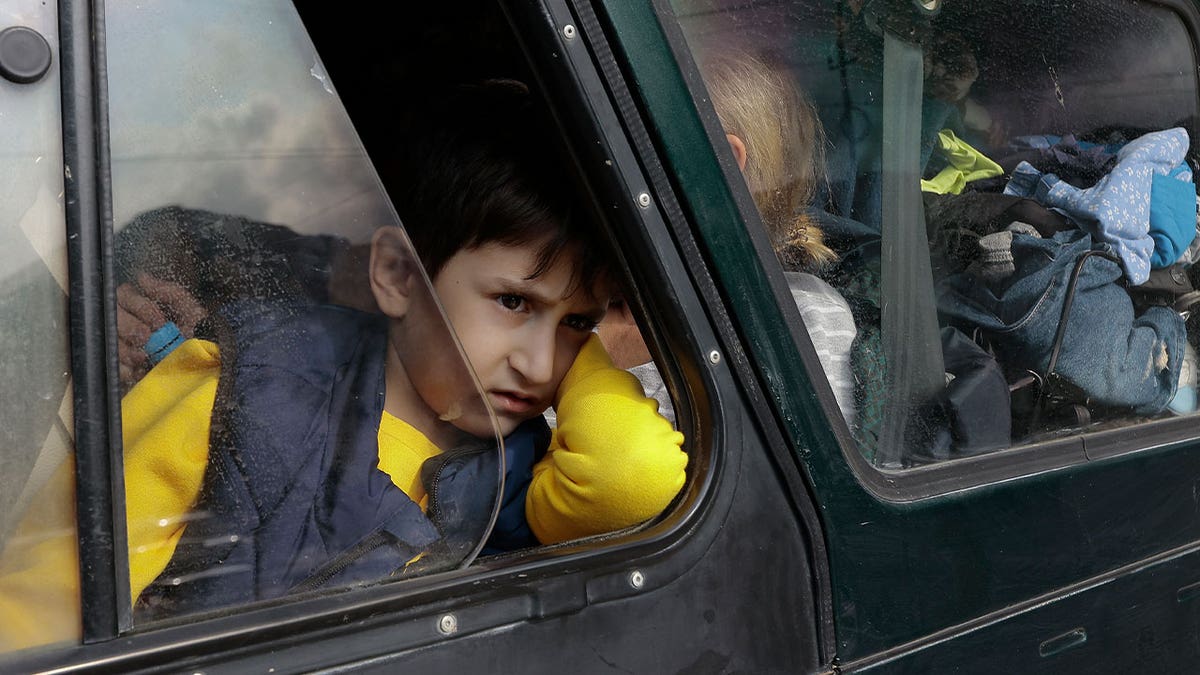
pixel 244 208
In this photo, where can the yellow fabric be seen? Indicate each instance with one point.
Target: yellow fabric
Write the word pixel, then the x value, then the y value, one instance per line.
pixel 613 461
pixel 166 422
pixel 966 164
pixel 402 451
pixel 39 570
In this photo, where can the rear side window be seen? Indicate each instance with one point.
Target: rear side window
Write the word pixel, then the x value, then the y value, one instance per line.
pixel 989 225
pixel 259 457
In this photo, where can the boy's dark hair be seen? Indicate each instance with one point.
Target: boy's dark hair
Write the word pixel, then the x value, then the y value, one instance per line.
pixel 481 164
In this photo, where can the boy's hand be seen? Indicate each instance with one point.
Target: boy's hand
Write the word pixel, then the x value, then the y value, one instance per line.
pixel 143 307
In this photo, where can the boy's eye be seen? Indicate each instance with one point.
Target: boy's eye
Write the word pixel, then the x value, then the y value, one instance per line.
pixel 511 301
pixel 580 323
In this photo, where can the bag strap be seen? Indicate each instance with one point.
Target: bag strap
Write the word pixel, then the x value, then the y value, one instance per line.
pixel 1061 332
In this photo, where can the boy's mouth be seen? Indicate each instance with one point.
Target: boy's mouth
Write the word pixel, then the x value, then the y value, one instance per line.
pixel 513 402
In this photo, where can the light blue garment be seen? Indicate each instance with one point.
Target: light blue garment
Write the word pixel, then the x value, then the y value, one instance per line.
pixel 1116 210
pixel 1185 401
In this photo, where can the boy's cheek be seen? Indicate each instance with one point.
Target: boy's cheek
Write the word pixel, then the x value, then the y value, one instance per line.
pixel 575 343
pixel 565 359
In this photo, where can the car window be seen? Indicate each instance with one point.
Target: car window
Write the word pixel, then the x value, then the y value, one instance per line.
pixel 260 459
pixel 996 248
pixel 35 410
pixel 315 393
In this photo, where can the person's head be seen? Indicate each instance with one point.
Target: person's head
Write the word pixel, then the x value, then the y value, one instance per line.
pixel 778 144
pixel 487 204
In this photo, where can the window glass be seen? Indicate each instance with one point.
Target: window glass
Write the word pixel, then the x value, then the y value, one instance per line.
pixel 297 413
pixel 35 410
pixel 315 396
pixel 993 224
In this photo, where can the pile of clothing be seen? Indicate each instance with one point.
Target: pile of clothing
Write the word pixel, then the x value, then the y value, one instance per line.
pixel 1077 272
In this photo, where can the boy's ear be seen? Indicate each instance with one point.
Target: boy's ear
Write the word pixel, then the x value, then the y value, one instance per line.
pixel 738 146
pixel 393 271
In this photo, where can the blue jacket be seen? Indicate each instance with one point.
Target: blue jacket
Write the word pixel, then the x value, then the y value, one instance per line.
pixel 292 498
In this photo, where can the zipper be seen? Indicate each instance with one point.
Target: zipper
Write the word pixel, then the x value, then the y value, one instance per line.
pixel 380 538
pixel 343 560
pixel 434 483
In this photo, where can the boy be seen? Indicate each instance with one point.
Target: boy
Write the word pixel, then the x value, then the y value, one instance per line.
pixel 318 446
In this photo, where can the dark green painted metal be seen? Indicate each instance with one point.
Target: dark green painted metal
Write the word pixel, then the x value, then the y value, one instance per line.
pixel 903 571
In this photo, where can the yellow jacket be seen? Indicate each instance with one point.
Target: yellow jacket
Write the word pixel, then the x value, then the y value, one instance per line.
pixel 613 462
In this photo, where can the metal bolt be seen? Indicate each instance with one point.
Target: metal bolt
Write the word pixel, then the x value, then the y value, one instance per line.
pixel 569 32
pixel 644 200
pixel 448 625
pixel 637 579
pixel 714 357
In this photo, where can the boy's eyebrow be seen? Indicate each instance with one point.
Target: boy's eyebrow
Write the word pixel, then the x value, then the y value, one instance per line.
pixel 529 288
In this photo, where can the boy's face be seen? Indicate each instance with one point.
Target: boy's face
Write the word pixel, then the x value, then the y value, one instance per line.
pixel 521 336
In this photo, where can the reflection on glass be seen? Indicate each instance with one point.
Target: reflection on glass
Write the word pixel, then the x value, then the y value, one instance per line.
pixel 273 315
pixel 1004 140
pixel 298 415
pixel 37 534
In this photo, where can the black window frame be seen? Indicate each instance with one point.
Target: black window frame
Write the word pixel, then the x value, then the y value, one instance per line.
pixel 99 479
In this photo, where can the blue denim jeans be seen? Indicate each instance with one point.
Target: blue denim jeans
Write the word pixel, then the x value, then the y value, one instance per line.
pixel 1117 358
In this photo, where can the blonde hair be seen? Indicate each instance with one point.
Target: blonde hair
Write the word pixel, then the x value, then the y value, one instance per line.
pixel 785 149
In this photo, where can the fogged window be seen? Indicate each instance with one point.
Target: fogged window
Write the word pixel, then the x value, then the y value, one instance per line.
pixel 990 223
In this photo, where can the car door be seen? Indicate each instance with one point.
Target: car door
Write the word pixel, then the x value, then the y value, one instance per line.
pixel 233 121
pixel 1062 548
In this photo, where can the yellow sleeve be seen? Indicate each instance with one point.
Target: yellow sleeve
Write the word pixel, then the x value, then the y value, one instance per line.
pixel 39 569
pixel 613 461
pixel 166 421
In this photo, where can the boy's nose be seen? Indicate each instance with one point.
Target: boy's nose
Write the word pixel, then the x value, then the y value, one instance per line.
pixel 533 356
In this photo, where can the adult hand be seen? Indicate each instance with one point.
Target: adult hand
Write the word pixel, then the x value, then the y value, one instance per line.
pixel 144 306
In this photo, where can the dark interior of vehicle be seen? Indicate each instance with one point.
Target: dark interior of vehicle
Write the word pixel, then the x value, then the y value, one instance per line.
pixel 382 59
pixel 1003 77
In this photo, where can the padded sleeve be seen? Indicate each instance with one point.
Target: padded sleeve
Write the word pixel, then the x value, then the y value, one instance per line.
pixel 166 419
pixel 613 461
